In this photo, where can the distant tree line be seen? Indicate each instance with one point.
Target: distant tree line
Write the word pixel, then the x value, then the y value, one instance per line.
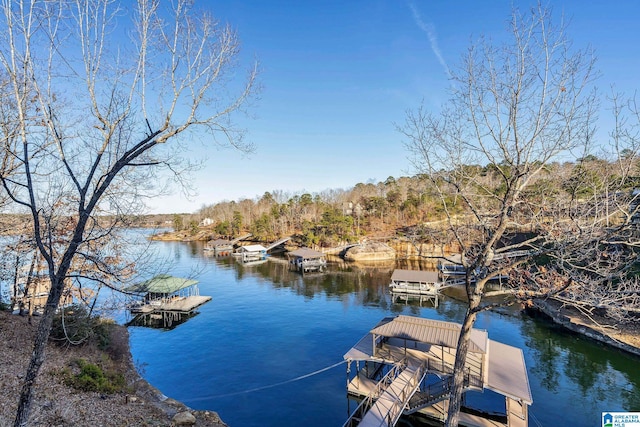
pixel 413 204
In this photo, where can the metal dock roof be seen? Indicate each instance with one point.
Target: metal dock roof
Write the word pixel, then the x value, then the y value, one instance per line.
pixel 436 332
pixel 161 284
pixel 507 372
pixel 418 276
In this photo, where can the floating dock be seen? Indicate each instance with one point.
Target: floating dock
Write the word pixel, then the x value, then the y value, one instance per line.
pixel 166 298
pixel 451 267
pixel 405 365
pixel 219 247
pixel 251 253
pixel 181 304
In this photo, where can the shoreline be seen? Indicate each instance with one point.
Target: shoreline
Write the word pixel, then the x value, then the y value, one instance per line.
pixel 603 331
pixel 142 403
pixel 57 404
pixel 169 406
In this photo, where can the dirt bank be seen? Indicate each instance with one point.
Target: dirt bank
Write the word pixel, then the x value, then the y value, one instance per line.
pixel 56 404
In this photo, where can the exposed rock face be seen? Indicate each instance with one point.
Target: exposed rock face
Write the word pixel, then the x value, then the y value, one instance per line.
pixel 411 250
pixel 613 336
pixel 373 251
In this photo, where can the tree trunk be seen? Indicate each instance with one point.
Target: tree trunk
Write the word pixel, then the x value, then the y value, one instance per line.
pixel 37 356
pixel 455 398
pixel 16 272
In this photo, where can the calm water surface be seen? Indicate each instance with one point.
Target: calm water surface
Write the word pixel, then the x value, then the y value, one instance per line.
pixel 266 326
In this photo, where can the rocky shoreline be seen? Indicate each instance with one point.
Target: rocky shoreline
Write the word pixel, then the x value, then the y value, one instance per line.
pixel 176 411
pixel 625 338
pixel 57 404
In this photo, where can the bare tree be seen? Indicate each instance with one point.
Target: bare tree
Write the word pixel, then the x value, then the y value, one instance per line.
pixel 514 109
pixel 596 238
pixel 104 101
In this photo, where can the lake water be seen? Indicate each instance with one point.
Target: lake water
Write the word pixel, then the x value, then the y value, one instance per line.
pixel 265 327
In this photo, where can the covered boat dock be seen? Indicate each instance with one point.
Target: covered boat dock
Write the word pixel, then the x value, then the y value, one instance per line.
pixel 164 293
pixel 415 282
pixel 306 260
pixel 405 365
pixel 219 247
pixel 251 253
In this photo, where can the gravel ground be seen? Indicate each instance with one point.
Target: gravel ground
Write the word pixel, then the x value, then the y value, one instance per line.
pixel 56 404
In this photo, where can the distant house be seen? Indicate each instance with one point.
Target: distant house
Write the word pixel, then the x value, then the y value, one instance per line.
pixel 351 209
pixel 206 222
pixel 31 294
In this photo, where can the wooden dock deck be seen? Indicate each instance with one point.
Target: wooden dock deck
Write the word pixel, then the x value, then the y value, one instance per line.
pixel 180 304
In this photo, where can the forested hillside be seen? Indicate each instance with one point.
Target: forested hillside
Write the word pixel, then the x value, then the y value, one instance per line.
pixel 411 205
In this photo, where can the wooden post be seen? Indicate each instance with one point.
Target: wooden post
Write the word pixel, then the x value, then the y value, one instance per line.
pixel 374 344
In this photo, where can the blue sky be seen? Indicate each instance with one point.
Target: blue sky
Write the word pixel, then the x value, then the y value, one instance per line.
pixel 337 75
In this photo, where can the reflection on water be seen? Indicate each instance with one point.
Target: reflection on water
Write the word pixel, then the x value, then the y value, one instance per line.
pixel 267 325
pixel 592 376
pixel 162 319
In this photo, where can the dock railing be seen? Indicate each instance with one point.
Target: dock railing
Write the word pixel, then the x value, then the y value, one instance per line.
pixel 439 366
pixel 436 392
pixel 395 411
pixel 402 396
pixel 432 394
pixel 369 400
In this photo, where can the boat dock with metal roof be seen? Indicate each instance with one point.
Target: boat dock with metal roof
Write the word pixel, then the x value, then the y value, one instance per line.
pixel 251 253
pixel 416 282
pixel 219 247
pixel 166 298
pixel 305 260
pixel 405 365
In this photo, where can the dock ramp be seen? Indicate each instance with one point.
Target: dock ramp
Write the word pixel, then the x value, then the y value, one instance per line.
pixel 277 243
pixel 237 239
pixel 392 401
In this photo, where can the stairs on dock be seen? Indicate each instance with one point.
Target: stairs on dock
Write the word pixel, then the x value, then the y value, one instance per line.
pixel 392 400
pixel 277 243
pixel 436 392
pixel 433 394
pixel 399 392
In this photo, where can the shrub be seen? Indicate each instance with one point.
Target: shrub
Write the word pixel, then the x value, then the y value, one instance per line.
pixel 93 378
pixel 74 326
